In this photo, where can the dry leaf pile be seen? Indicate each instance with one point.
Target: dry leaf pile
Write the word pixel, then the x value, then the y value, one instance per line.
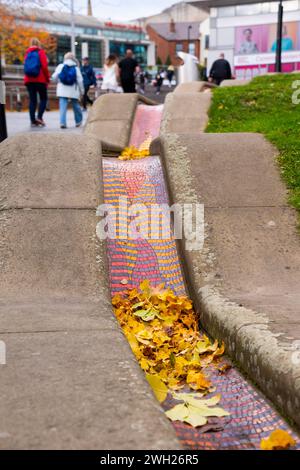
pixel 132 153
pixel 163 333
pixel 278 440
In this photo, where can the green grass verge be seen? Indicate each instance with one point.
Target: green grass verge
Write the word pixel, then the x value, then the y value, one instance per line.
pixel 264 106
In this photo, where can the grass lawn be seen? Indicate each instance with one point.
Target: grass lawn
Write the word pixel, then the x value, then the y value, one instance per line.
pixel 265 106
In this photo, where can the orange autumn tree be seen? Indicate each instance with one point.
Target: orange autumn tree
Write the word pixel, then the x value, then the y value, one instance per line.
pixel 15 37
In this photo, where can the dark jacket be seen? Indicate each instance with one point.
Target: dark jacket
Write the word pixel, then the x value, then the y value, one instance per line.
pixel 88 75
pixel 127 68
pixel 220 70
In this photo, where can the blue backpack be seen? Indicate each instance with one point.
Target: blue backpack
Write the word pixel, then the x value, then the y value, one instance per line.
pixel 32 65
pixel 68 75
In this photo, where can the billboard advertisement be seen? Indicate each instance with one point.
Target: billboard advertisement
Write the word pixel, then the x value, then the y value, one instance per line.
pixel 255 48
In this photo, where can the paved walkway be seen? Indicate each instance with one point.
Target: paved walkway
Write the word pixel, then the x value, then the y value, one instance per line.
pixel 18 123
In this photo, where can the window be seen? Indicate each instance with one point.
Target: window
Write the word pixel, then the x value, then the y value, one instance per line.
pixel 63 46
pixel 206 41
pixel 139 50
pixel 90 31
pixel 192 48
pixel 179 47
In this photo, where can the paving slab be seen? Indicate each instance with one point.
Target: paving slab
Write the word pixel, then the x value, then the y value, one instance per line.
pixel 245 280
pixel 49 252
pixel 114 107
pixel 77 390
pixel 49 171
pixel 19 123
pixel 243 165
pixel 114 133
pixel 267 276
pixel 194 87
pixel 185 112
pixel 52 314
pixel 235 82
pixel 111 117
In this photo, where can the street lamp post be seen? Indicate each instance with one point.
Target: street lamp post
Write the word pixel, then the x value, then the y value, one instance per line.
pixel 73 48
pixel 189 36
pixel 3 128
pixel 278 67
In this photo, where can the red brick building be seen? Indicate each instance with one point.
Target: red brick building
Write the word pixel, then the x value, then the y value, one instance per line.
pixel 171 38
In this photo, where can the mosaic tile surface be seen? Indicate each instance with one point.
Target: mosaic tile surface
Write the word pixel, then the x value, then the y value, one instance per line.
pixel 146 123
pixel 136 259
pixel 131 261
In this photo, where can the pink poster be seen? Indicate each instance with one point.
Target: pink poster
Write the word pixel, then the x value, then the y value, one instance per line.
pixel 255 48
pixel 251 39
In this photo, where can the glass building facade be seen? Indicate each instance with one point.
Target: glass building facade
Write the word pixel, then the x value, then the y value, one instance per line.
pixel 139 50
pixel 99 39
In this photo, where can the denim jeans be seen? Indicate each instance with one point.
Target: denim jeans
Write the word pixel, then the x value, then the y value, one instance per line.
pixel 33 90
pixel 63 106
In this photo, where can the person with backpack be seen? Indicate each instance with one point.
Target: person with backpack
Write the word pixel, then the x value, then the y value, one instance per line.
pixel 69 87
pixel 89 81
pixel 36 80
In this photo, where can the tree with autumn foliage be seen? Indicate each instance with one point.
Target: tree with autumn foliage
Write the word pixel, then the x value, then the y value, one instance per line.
pixel 15 37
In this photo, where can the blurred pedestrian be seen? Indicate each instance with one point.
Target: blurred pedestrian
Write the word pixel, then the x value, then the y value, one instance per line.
pixel 170 74
pixel 158 82
pixel 220 70
pixel 69 87
pixel 89 81
pixel 142 81
pixel 36 79
pixel 111 75
pixel 129 67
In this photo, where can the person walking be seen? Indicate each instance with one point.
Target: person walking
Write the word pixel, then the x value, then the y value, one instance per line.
pixel 89 81
pixel 36 80
pixel 158 82
pixel 69 87
pixel 220 70
pixel 111 75
pixel 142 81
pixel 170 74
pixel 128 68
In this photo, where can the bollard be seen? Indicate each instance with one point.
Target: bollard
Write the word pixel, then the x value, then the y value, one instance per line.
pixel 3 128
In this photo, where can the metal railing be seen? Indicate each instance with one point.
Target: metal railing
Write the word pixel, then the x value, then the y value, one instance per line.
pixel 17 71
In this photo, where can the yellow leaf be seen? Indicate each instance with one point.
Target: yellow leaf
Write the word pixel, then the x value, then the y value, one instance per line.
pixel 204 345
pixel 159 388
pixel 197 381
pixel 278 440
pixel 174 384
pixel 145 287
pixel 207 412
pixel 178 413
pixel 144 364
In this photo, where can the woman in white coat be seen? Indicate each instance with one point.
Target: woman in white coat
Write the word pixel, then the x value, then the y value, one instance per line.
pixel 69 87
pixel 111 75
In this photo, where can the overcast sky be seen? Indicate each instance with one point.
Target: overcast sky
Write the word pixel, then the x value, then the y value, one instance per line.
pixel 120 9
